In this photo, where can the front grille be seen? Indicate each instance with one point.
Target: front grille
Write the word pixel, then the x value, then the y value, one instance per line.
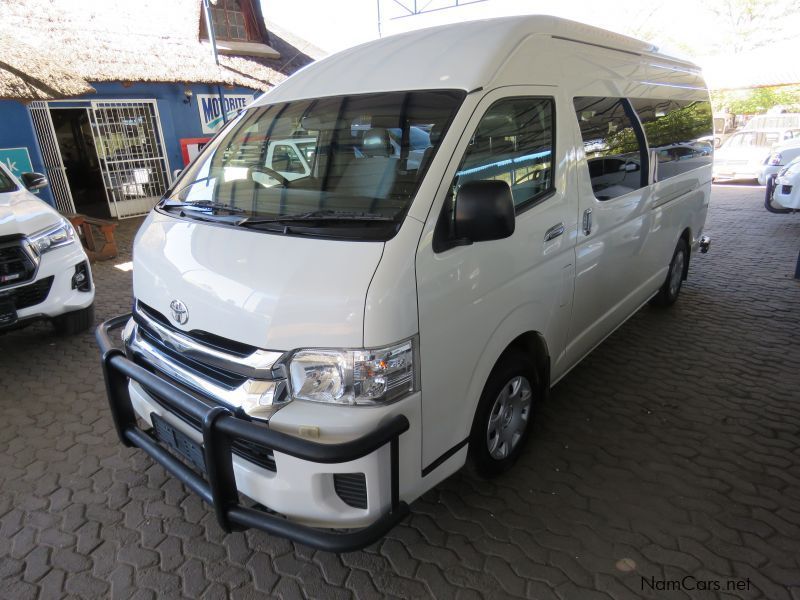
pixel 29 295
pixel 203 337
pixel 786 189
pixel 351 488
pixel 16 265
pixel 221 377
pixel 255 453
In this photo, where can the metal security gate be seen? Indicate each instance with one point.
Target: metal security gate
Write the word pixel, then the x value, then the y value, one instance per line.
pixel 56 173
pixel 130 146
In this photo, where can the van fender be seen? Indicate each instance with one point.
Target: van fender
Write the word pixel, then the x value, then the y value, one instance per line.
pixel 515 324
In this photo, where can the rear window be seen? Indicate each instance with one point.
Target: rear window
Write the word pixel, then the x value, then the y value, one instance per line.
pixel 6 184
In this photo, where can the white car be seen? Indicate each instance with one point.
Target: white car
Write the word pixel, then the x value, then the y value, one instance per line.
pixel 330 348
pixel 44 272
pixel 781 155
pixel 786 189
pixel 743 155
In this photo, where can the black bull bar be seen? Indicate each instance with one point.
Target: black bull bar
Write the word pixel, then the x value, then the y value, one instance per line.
pixel 219 428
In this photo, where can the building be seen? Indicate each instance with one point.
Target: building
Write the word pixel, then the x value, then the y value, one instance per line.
pixel 110 98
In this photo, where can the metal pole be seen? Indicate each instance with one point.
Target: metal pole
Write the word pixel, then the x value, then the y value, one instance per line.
pixel 212 37
pixel 378 2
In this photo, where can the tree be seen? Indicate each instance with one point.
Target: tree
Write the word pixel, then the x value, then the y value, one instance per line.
pixel 749 24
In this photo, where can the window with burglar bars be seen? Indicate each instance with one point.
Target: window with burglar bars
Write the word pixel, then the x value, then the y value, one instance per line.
pixel 130 147
pixel 232 20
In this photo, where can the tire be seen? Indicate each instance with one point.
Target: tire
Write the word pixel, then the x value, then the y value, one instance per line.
pixel 671 288
pixel 503 417
pixel 778 210
pixel 74 322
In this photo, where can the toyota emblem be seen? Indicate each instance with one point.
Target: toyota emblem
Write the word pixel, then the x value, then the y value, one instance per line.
pixel 180 313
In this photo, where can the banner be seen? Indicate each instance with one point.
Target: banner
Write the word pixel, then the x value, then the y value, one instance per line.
pixel 211 114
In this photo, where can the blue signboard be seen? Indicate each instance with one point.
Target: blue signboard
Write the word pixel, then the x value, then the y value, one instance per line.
pixel 16 160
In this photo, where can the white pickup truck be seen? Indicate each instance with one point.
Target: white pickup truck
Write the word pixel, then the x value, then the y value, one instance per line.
pixel 44 272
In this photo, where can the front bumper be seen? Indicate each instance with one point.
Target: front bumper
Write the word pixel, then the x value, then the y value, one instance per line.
pixel 61 297
pixel 220 429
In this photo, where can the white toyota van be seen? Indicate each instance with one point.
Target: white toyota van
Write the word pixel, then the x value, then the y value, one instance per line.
pixel 311 354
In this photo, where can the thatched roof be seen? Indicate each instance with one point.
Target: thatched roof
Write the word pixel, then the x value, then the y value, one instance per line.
pixel 56 47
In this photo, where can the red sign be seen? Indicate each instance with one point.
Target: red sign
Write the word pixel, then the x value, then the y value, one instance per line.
pixel 190 148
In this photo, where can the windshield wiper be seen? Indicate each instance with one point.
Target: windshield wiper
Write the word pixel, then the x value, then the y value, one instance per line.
pixel 205 206
pixel 316 215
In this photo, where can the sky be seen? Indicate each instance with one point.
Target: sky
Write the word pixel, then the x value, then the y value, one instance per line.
pixel 685 28
pixel 337 24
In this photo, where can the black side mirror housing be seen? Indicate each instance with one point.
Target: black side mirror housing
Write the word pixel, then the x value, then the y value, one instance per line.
pixel 34 181
pixel 484 210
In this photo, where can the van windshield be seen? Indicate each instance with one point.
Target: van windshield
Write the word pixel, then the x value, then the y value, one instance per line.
pixel 341 165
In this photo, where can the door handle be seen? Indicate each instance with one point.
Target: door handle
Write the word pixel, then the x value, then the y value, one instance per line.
pixel 587 221
pixel 554 232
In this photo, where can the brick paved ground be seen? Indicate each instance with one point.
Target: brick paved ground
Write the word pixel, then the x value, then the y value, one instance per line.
pixel 675 445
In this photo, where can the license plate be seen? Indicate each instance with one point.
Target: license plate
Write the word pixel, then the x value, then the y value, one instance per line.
pixel 8 312
pixel 179 442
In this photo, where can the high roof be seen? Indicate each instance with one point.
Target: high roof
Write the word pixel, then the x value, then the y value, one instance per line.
pixel 464 56
pixel 55 49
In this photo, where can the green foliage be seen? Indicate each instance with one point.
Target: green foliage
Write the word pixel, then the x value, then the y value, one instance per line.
pixel 757 100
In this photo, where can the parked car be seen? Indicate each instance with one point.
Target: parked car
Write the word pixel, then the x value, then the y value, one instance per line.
pixel 783 192
pixel 780 156
pixel 743 155
pixel 44 272
pixel 333 347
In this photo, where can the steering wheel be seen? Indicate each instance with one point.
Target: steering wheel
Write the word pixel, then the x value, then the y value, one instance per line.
pixel 270 173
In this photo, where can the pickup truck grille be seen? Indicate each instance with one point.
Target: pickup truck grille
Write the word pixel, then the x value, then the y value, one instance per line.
pixel 29 295
pixel 16 265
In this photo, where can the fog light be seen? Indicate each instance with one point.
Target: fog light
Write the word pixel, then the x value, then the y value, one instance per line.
pixel 82 280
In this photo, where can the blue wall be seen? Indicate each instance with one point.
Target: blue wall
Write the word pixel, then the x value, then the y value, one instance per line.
pixel 16 131
pixel 178 120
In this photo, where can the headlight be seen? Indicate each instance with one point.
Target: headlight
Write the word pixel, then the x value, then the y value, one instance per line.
pixel 361 377
pixel 53 237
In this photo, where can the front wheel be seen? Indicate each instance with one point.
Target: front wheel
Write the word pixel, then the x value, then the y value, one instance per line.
pixel 503 418
pixel 669 292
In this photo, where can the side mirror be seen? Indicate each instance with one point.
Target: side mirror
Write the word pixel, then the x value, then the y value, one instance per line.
pixel 176 173
pixel 717 142
pixel 34 181
pixel 484 210
pixel 630 167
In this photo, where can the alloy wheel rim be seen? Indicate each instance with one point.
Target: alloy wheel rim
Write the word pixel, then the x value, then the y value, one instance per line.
pixel 509 417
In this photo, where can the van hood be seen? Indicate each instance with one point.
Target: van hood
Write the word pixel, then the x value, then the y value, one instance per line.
pixel 22 213
pixel 742 153
pixel 272 291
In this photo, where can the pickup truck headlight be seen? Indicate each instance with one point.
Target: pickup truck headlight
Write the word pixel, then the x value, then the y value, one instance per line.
pixel 52 237
pixel 354 377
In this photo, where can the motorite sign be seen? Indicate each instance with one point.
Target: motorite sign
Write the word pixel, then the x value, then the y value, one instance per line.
pixel 210 109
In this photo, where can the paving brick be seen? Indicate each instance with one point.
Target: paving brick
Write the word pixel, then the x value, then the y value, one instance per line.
pixel 674 445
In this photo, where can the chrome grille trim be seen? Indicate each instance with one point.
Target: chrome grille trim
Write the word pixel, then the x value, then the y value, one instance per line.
pixel 258 398
pixel 257 365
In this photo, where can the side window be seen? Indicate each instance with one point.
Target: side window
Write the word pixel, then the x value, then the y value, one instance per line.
pixel 615 155
pixel 680 129
pixel 514 142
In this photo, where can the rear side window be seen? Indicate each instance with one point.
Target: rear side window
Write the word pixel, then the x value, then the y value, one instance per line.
pixel 615 154
pixel 513 142
pixel 680 132
pixel 6 185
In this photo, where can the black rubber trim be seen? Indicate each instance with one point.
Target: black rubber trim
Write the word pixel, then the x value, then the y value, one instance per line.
pixel 444 457
pixel 220 430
